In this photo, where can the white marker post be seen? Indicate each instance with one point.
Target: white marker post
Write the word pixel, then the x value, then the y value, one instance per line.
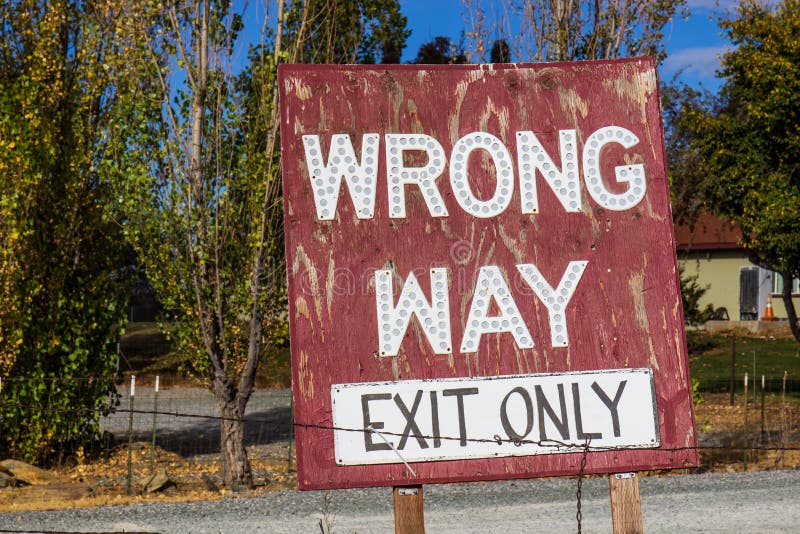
pixel 130 434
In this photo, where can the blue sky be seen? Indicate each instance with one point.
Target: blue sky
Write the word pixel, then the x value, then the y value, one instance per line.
pixel 694 45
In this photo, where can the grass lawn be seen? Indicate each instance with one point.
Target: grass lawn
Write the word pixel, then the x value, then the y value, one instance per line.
pixel 710 360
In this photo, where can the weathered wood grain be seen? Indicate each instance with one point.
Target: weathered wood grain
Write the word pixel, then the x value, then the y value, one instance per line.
pixel 626 504
pixel 409 515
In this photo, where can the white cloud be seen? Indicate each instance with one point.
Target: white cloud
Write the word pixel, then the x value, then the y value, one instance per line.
pixel 701 62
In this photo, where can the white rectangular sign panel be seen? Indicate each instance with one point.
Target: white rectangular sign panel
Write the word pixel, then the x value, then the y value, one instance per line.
pixel 521 415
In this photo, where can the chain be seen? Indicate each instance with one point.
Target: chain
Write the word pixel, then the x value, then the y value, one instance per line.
pixel 579 515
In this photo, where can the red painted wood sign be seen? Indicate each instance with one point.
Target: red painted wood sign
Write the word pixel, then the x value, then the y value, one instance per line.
pixel 448 225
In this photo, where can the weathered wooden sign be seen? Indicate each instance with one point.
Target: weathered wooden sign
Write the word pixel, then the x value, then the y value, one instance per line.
pixel 482 273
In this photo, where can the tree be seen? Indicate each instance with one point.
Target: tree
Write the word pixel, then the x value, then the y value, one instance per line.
pixel 347 31
pixel 440 51
pixel 691 293
pixel 62 256
pixel 689 183
pixel 199 194
pixel 750 137
pixel 563 30
pixel 197 173
pixel 501 52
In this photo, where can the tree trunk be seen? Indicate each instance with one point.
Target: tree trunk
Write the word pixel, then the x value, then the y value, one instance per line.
pixel 788 303
pixel 235 464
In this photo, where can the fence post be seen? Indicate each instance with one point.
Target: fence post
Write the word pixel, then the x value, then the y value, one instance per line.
pixel 733 368
pixel 291 433
pixel 784 421
pixel 744 455
pixel 130 435
pixel 761 436
pixel 754 379
pixel 155 414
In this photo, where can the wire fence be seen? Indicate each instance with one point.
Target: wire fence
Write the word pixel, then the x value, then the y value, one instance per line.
pixel 158 423
pixel 186 420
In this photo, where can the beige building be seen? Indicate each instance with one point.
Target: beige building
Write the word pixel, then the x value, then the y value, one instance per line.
pixel 710 249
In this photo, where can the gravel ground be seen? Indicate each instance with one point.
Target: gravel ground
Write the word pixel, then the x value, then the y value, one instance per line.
pixel 194 430
pixel 737 502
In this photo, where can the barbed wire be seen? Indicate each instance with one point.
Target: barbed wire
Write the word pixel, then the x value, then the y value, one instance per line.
pixel 584 449
pixel 496 439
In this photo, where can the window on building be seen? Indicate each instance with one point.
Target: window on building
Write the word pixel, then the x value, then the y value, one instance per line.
pixel 777 284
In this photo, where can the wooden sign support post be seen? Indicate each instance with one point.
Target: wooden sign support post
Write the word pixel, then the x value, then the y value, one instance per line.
pixel 408 514
pixel 626 505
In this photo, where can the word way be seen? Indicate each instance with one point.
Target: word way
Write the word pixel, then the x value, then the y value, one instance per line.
pixel 433 314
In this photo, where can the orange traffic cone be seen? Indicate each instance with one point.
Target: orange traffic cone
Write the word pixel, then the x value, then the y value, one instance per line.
pixel 768 315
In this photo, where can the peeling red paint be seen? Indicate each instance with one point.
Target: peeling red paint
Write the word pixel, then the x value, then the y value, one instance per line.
pixel 624 313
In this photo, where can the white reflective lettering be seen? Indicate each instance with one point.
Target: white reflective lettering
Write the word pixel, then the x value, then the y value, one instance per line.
pixel 555 300
pixel 492 285
pixel 433 316
pixel 423 177
pixel 633 175
pixel 459 175
pixel 361 177
pixel 564 182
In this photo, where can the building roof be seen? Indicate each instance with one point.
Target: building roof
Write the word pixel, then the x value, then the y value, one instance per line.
pixel 708 232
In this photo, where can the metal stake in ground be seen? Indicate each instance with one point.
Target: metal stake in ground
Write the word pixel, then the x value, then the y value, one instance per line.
pixel 155 414
pixel 754 379
pixel 784 423
pixel 130 436
pixel 763 421
pixel 744 457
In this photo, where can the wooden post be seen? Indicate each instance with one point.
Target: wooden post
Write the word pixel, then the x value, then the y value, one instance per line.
pixel 733 367
pixel 408 514
pixel 626 504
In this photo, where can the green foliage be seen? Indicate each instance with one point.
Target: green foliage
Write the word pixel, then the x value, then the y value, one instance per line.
pixel 501 52
pixel 196 173
pixel 62 261
pixel 750 137
pixel 440 51
pixel 360 31
pixel 691 293
pixel 697 397
pixel 193 222
pixel 711 362
pixel 698 342
pixel 688 182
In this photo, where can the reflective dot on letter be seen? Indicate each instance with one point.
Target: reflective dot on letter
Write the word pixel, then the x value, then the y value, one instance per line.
pixel 342 163
pixel 412 303
pixel 492 283
pixel 633 174
pixel 423 177
pixel 459 176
